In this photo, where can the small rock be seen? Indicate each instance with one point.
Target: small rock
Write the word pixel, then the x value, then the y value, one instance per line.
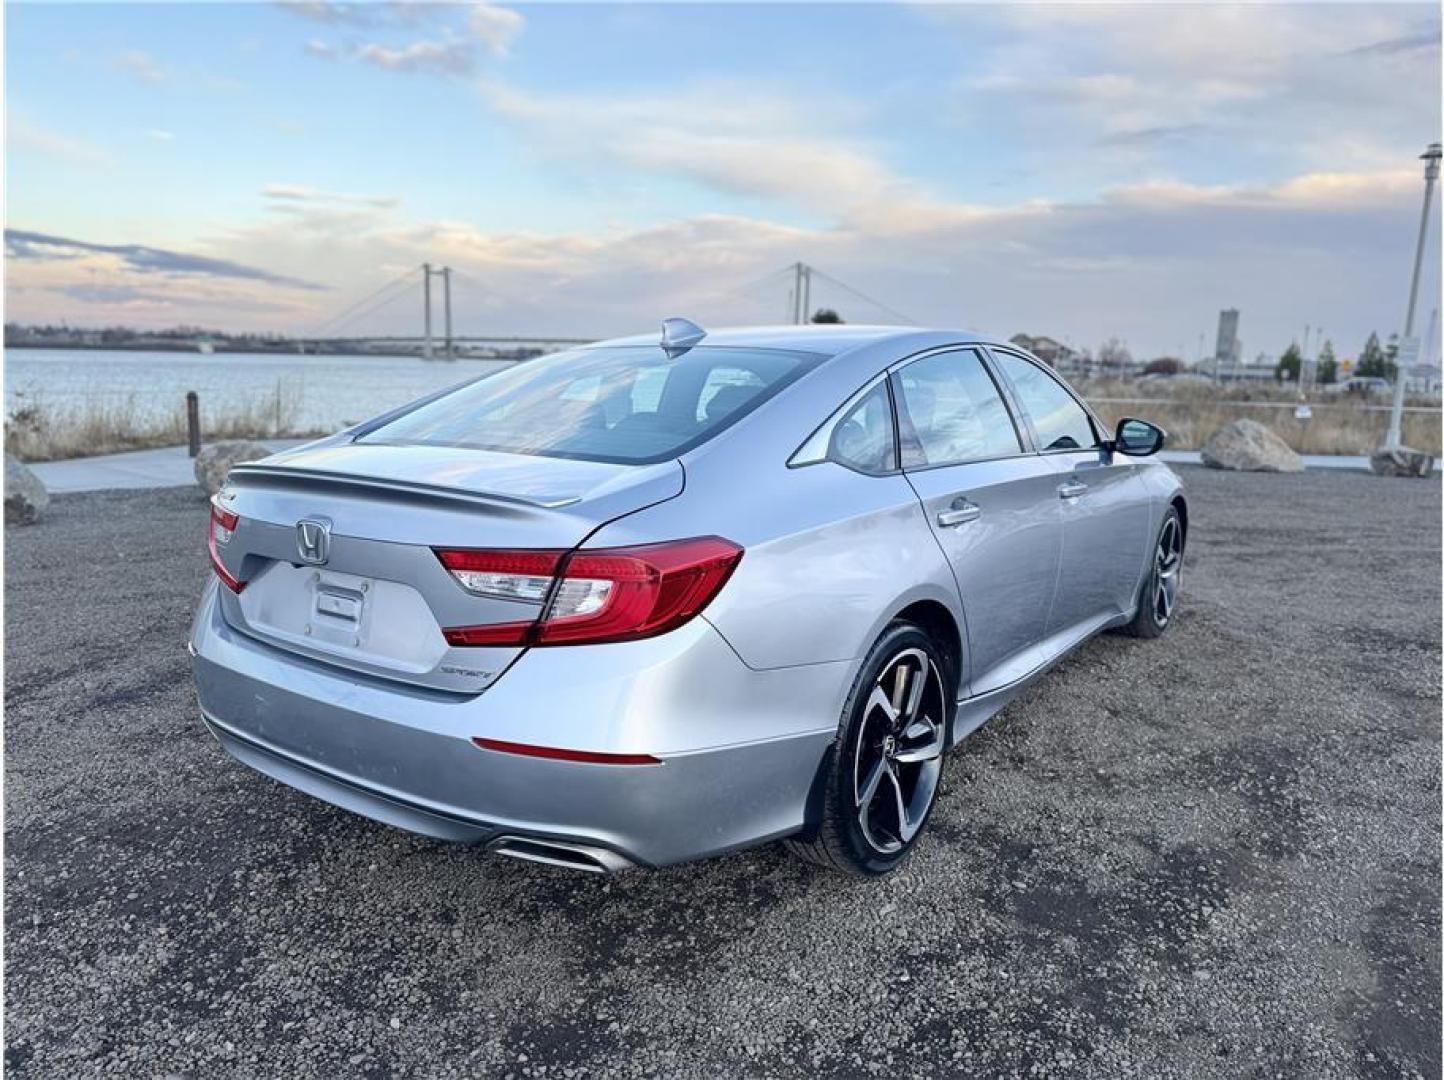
pixel 1390 461
pixel 1248 446
pixel 213 463
pixel 25 496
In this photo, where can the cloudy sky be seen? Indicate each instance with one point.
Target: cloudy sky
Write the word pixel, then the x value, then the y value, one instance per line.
pixel 1081 171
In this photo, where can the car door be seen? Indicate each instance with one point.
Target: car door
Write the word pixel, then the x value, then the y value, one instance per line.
pixel 1103 500
pixel 991 503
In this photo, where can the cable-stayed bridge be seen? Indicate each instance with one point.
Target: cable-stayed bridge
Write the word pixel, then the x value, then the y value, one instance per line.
pixel 432 286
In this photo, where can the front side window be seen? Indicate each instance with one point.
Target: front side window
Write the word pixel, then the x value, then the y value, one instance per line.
pixel 1058 420
pixel 949 412
pixel 624 405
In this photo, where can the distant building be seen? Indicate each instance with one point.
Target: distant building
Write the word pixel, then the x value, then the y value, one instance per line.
pixel 1053 353
pixel 1424 379
pixel 1226 351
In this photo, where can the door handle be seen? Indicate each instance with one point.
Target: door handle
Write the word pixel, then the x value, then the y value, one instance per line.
pixel 960 513
pixel 1071 489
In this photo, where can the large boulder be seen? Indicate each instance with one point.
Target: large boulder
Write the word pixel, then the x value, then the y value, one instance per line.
pixel 1401 461
pixel 25 496
pixel 1248 446
pixel 213 463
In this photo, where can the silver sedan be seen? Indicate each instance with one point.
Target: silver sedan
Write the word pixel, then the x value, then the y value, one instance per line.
pixel 653 600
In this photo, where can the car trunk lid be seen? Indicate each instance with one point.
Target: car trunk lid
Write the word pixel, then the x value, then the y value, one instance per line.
pixel 377 598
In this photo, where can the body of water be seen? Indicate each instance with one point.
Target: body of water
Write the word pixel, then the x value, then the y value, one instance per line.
pixel 319 392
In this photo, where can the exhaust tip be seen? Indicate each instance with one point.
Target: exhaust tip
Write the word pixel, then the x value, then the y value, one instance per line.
pixel 587 859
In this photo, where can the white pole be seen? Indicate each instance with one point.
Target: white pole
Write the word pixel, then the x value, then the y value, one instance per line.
pixel 426 302
pixel 1430 157
pixel 446 283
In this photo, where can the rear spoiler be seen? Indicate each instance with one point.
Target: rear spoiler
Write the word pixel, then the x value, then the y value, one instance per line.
pixel 274 476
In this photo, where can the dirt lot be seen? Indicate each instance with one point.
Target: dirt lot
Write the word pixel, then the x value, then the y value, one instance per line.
pixel 1212 855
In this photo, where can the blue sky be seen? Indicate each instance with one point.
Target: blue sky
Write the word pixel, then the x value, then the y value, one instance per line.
pixel 1084 171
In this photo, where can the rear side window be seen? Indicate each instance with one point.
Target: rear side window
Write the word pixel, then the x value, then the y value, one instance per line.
pixel 622 405
pixel 863 438
pixel 1059 422
pixel 950 412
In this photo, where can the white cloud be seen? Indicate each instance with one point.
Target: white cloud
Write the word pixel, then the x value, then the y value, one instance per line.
pixel 23 135
pixel 141 66
pixel 495 27
pixel 158 135
pixel 325 11
pixel 300 193
pixel 1286 87
pixel 460 29
pixel 435 57
pixel 739 139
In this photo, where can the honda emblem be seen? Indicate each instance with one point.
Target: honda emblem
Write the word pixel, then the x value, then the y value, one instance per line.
pixel 313 540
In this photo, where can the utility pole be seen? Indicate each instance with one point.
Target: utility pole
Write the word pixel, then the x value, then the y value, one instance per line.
pixel 1408 352
pixel 1303 361
pixel 426 303
pixel 450 353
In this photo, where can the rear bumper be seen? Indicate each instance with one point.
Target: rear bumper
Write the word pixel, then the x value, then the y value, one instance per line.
pixel 405 756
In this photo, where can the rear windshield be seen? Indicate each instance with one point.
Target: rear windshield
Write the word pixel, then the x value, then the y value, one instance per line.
pixel 625 405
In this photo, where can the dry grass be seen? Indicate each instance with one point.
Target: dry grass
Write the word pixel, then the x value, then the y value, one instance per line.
pixel 39 431
pixel 1191 413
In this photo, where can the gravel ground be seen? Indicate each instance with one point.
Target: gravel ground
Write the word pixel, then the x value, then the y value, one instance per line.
pixel 1212 855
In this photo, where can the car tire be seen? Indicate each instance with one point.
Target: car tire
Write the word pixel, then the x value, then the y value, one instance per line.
pixel 880 779
pixel 1158 598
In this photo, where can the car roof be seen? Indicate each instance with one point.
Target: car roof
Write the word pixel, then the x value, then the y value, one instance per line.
pixel 828 339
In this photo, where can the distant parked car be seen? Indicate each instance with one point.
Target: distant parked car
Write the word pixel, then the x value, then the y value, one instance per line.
pixel 648 601
pixel 1365 386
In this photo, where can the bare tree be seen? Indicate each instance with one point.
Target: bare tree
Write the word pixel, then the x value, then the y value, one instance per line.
pixel 1113 355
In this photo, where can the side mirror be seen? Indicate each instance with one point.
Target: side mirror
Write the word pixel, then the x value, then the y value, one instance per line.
pixel 1138 438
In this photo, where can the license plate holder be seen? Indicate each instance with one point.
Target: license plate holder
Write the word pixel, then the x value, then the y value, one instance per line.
pixel 335 602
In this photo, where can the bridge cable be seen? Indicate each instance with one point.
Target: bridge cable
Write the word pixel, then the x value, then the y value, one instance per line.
pixel 377 306
pixel 346 314
pixel 863 296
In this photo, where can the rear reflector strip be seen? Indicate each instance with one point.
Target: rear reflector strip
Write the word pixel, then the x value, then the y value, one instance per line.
pixel 502 633
pixel 557 754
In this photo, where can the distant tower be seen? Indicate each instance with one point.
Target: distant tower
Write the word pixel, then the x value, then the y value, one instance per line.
pixel 1225 353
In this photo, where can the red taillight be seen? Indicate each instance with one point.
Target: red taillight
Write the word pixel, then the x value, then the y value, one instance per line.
pixel 556 753
pixel 610 594
pixel 622 593
pixel 506 575
pixel 223 525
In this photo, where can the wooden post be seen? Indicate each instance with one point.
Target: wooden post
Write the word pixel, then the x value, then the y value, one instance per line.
pixel 193 422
